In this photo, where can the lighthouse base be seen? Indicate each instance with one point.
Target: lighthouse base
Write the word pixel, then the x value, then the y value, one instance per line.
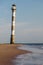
pixel 12 39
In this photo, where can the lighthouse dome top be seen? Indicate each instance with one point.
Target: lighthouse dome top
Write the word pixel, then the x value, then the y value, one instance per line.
pixel 14 6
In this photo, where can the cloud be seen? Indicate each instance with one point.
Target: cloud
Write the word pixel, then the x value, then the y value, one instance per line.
pixel 25 33
pixel 4 33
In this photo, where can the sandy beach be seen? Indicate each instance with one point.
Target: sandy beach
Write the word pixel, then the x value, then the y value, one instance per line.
pixel 8 52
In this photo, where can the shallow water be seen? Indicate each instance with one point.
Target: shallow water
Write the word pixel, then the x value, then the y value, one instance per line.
pixel 35 58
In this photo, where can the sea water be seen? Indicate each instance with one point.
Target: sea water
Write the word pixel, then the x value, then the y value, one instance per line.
pixel 34 58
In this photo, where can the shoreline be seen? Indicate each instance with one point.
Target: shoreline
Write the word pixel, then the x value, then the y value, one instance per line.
pixel 9 52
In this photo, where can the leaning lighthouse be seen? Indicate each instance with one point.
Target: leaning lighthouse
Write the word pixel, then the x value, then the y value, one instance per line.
pixel 13 24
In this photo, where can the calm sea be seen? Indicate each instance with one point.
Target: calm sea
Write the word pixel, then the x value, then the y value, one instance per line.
pixel 34 58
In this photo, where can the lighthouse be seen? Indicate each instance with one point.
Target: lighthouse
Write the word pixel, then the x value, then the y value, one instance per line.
pixel 12 40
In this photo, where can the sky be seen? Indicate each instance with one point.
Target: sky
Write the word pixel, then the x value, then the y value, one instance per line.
pixel 29 21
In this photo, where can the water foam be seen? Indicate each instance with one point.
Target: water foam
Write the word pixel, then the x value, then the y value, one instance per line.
pixel 35 58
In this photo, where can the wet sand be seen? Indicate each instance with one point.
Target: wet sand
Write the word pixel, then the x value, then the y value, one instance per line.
pixel 8 52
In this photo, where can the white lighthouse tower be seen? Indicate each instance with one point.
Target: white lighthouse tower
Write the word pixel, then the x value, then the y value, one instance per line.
pixel 13 24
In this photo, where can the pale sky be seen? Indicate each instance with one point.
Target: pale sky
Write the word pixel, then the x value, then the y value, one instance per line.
pixel 29 21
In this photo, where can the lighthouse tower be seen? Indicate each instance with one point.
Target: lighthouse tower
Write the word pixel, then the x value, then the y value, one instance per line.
pixel 13 24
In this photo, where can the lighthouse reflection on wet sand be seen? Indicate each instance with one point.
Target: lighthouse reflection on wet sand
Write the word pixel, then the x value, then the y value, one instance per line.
pixel 12 40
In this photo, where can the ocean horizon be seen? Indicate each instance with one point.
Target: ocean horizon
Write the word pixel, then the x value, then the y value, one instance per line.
pixel 31 43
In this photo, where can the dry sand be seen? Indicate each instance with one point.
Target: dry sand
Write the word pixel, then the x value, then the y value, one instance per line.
pixel 8 52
